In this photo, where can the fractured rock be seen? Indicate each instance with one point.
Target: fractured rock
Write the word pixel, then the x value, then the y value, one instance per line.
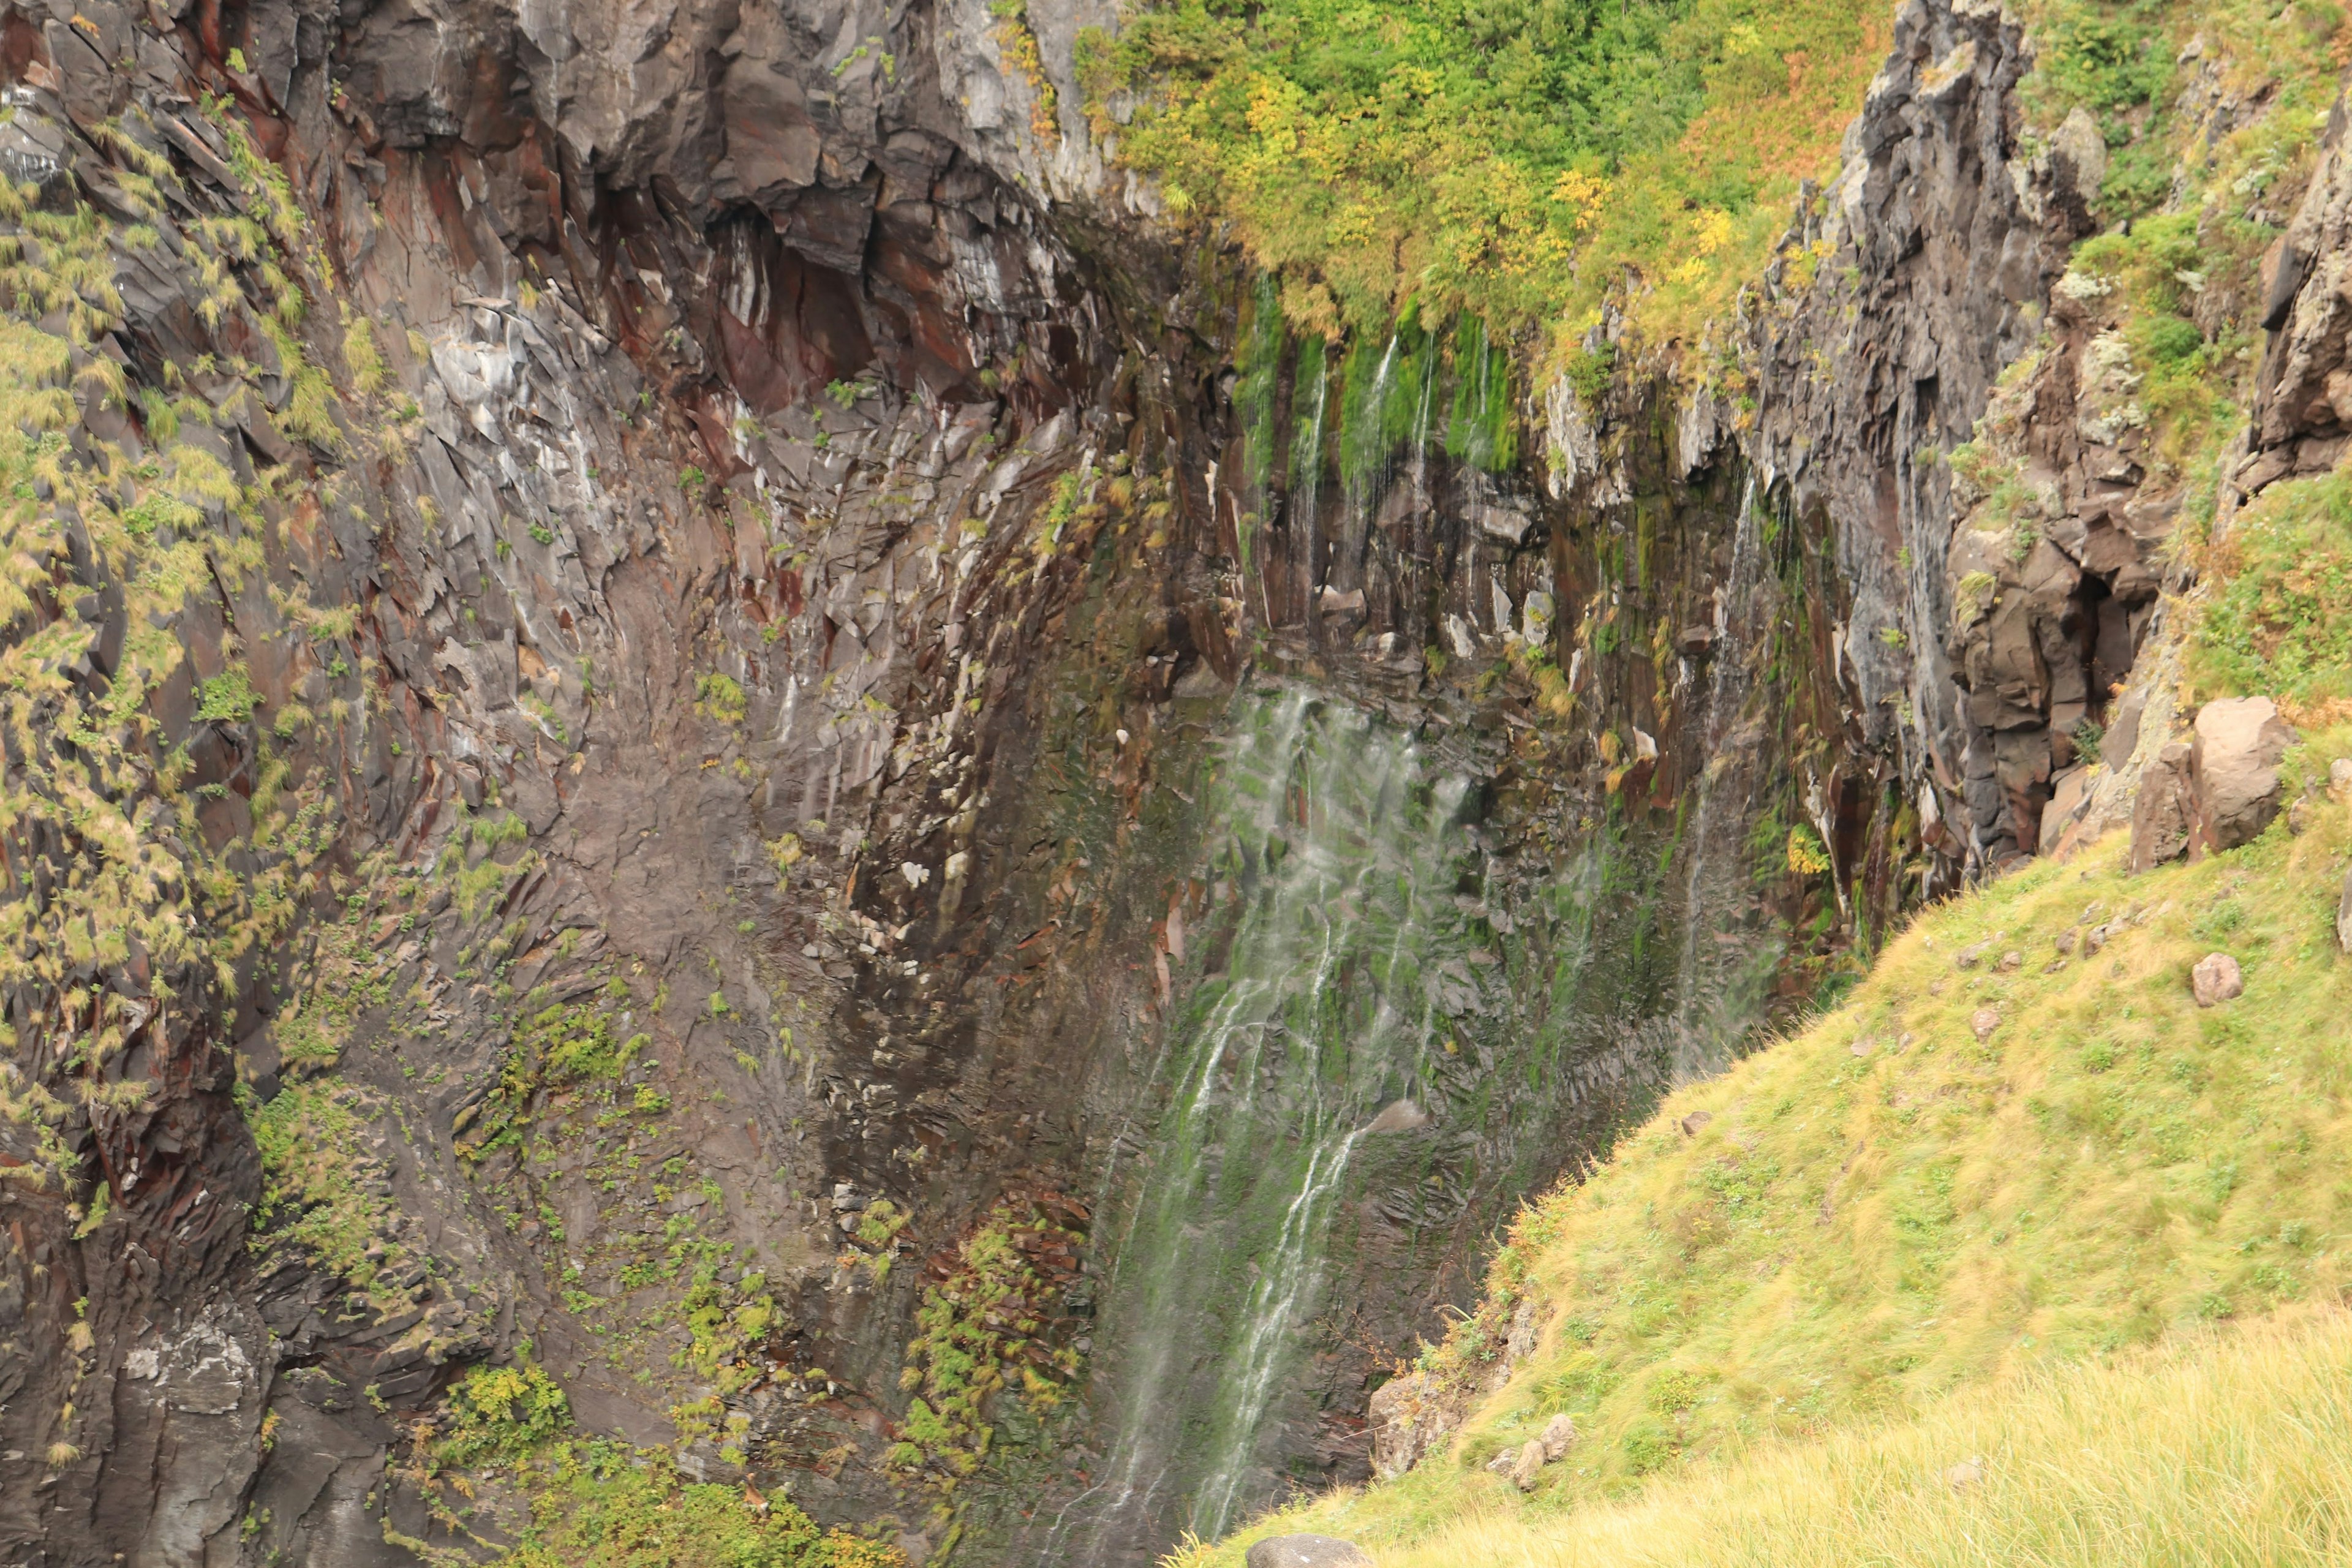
pixel 2167 805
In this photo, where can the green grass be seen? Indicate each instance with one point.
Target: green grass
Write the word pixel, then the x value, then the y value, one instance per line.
pixel 1886 1211
pixel 2232 1449
pixel 2278 619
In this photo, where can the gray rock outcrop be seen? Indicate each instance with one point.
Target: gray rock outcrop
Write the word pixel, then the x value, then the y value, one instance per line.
pixel 1305 1552
pixel 2234 770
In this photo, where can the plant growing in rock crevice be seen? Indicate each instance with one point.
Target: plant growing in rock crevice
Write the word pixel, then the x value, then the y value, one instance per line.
pixel 989 1322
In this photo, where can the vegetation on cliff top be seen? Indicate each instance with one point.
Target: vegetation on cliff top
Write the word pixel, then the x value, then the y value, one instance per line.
pixel 1507 157
pixel 1525 160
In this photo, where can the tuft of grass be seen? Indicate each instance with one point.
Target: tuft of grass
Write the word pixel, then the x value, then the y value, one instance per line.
pixel 1895 1206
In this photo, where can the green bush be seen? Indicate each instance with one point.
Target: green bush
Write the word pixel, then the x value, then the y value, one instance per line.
pixel 503 1412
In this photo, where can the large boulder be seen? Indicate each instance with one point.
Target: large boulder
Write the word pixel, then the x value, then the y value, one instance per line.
pixel 1307 1551
pixel 2235 765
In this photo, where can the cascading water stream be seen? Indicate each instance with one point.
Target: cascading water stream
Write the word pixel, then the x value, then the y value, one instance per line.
pixel 1335 881
pixel 1708 1016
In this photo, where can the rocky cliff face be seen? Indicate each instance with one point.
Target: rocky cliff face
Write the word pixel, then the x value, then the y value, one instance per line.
pixel 620 623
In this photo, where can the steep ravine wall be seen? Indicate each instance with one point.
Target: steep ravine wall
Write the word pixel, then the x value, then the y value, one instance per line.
pixel 744 555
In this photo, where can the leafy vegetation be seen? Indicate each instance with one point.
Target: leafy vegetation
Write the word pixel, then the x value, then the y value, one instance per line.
pixel 2018 1143
pixel 2279 617
pixel 1504 157
pixel 985 1327
pixel 601 1505
pixel 503 1412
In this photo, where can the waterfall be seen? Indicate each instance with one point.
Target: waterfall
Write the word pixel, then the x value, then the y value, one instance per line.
pixel 1712 1009
pixel 1341 852
pixel 1307 459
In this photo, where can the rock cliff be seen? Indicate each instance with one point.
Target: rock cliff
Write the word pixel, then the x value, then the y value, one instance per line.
pixel 618 620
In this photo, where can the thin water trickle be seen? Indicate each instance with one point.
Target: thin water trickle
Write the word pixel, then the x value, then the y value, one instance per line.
pixel 1708 1015
pixel 1306 459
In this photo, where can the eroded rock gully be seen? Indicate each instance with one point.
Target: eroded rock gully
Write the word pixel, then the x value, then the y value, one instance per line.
pixel 732 555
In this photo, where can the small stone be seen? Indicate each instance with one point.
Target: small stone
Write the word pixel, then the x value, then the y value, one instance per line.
pixel 1305 1552
pixel 2339 777
pixel 2011 961
pixel 1970 957
pixel 2298 816
pixel 1559 1435
pixel 2066 939
pixel 1984 1021
pixel 2053 966
pixel 1504 1463
pixel 1694 1121
pixel 2216 979
pixel 1905 1043
pixel 1966 1474
pixel 1529 1466
pixel 2093 940
pixel 1861 1046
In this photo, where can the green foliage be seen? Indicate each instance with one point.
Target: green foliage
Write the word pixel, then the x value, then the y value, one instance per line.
pixel 227 696
pixel 1589 372
pixel 1504 157
pixel 560 1047
pixel 502 1413
pixel 600 1505
pixel 984 1324
pixel 316 1177
pixel 2279 619
pixel 721 697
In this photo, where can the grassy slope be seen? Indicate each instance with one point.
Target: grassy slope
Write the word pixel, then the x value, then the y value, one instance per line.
pixel 1862 1229
pixel 2232 1449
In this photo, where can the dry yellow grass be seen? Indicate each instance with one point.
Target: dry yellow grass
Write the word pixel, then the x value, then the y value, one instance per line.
pixel 2232 1448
